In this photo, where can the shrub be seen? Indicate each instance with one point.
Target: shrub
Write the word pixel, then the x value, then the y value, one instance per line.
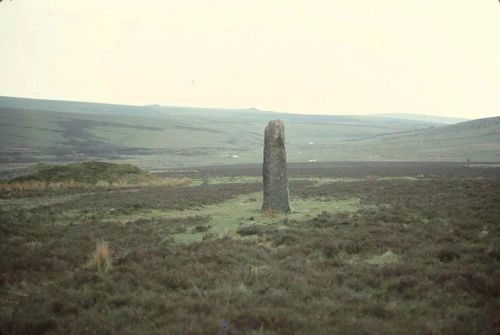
pixel 251 229
pixel 448 254
pixel 200 228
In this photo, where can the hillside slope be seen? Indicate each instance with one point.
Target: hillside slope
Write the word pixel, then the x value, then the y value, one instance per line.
pixel 422 117
pixel 477 139
pixel 163 137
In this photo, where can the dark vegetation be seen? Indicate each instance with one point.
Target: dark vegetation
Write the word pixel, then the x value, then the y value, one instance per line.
pixel 419 256
pixel 349 169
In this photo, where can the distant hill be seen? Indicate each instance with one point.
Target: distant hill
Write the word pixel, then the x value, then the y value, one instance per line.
pixel 33 130
pixel 67 106
pixel 422 117
pixel 476 139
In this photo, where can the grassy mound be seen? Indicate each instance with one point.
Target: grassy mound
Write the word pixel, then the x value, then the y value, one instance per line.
pixel 86 172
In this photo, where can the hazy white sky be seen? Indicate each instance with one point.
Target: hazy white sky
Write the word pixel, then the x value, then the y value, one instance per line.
pixel 301 56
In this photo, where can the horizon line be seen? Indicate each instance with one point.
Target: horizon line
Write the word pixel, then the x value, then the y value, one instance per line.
pixel 381 114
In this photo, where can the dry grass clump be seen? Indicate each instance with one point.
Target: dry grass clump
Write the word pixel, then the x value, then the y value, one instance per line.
pixel 146 183
pixel 270 213
pixel 36 185
pixel 23 186
pixel 178 182
pixel 101 258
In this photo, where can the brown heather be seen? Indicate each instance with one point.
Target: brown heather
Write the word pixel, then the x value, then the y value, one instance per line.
pixel 419 256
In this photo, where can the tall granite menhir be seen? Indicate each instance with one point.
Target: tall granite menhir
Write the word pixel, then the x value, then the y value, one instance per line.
pixel 275 173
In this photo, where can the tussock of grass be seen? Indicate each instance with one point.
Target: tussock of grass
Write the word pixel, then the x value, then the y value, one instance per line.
pixel 387 257
pixel 101 258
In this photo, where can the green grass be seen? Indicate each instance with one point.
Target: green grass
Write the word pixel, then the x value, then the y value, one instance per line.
pixel 228 216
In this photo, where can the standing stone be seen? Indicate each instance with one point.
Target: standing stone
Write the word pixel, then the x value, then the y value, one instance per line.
pixel 275 173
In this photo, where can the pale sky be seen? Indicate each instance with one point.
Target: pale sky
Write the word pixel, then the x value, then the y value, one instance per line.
pixel 439 57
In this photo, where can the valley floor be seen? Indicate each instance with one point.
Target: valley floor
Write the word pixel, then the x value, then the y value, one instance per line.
pixel 374 248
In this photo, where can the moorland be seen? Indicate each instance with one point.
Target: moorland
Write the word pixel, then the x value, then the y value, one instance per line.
pixel 372 248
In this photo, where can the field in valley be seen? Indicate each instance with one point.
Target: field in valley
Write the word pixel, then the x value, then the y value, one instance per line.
pixel 373 248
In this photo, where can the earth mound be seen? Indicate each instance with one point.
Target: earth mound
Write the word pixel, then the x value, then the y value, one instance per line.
pixel 85 172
